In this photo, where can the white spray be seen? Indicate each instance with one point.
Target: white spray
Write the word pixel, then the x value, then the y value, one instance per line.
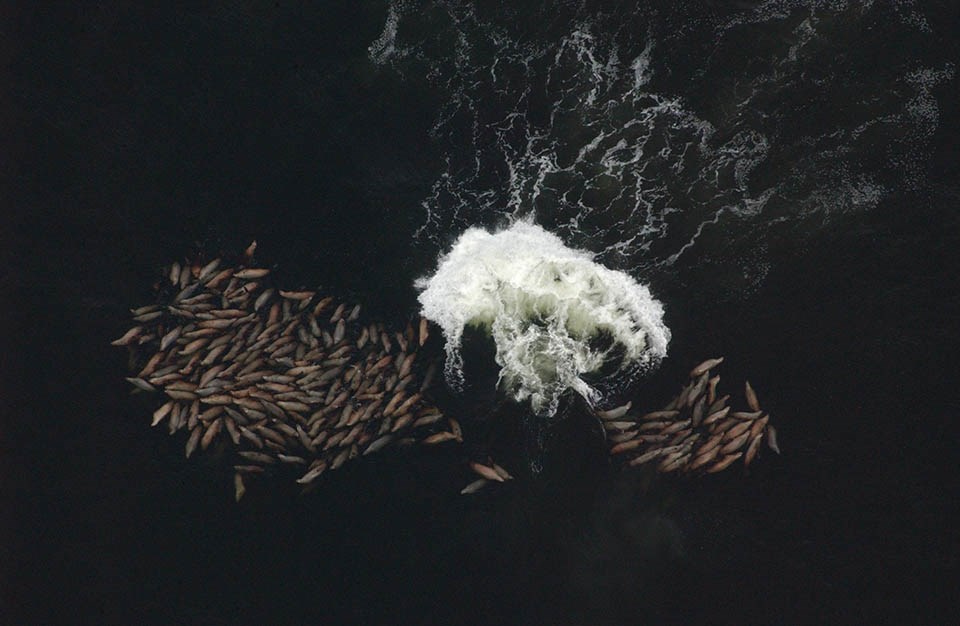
pixel 542 303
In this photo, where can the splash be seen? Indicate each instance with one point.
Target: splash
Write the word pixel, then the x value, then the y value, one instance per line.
pixel 553 313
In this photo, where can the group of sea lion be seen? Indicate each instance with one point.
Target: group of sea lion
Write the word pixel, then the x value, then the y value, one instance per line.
pixel 695 432
pixel 291 377
pixel 296 378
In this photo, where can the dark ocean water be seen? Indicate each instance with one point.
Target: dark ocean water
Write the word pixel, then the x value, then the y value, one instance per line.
pixel 783 174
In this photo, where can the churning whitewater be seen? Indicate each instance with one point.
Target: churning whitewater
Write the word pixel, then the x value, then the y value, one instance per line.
pixel 553 313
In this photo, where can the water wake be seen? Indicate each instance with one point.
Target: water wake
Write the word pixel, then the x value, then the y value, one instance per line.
pixel 670 139
pixel 553 313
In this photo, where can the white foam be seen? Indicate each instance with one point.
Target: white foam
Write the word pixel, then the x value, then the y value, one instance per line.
pixel 542 303
pixel 385 47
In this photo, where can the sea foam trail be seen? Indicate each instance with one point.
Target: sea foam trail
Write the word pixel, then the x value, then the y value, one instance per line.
pixel 548 309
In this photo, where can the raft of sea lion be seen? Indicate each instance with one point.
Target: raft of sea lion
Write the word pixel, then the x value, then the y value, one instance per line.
pixel 297 378
pixel 697 431
pixel 290 377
